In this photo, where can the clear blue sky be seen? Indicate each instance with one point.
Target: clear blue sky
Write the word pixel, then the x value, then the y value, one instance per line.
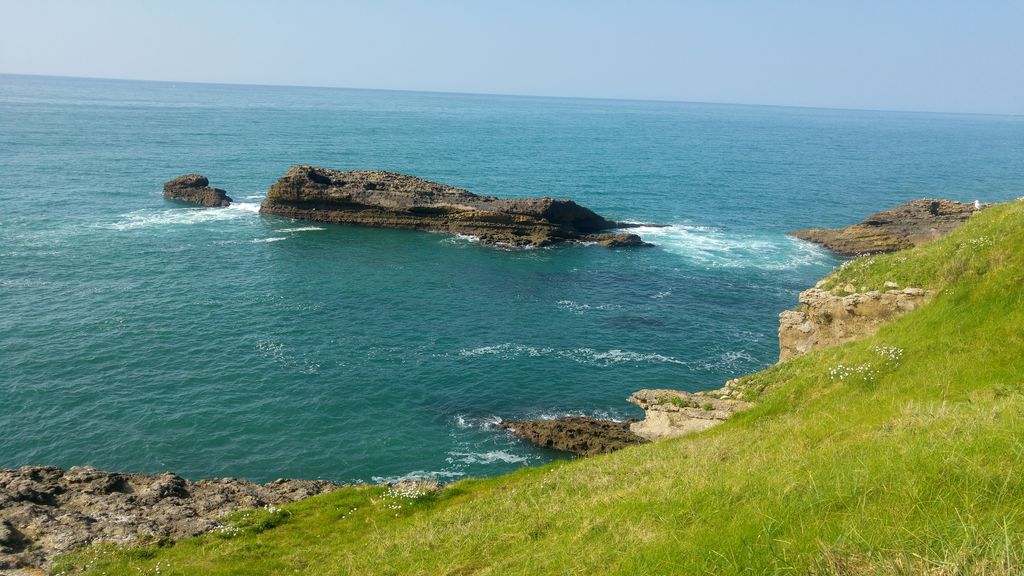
pixel 938 55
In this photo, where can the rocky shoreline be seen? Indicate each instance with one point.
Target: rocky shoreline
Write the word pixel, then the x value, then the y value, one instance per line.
pixel 47 511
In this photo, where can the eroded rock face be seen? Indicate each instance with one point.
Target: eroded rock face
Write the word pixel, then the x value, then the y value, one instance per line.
pixel 581 435
pixel 671 413
pixel 826 319
pixel 901 227
pixel 46 511
pixel 388 200
pixel 195 188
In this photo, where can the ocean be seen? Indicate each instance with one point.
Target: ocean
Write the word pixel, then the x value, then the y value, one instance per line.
pixel 138 334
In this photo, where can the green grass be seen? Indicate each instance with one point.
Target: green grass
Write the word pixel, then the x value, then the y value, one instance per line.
pixel 677 401
pixel 899 454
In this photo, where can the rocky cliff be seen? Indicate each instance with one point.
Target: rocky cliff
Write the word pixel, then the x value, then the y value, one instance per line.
pixel 46 511
pixel 901 227
pixel 825 318
pixel 195 188
pixel 389 200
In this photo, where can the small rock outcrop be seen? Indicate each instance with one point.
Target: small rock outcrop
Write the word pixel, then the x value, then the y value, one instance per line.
pixel 906 225
pixel 195 188
pixel 581 435
pixel 671 413
pixel 47 511
pixel 388 200
pixel 827 319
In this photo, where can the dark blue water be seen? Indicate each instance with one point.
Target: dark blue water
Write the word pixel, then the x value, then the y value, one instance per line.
pixel 138 334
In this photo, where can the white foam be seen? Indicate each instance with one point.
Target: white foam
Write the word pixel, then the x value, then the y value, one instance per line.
pixel 577 308
pixel 719 248
pixel 510 350
pixel 300 229
pixel 250 207
pixel 271 239
pixel 729 360
pixel 484 422
pixel 181 216
pixel 490 457
pixel 417 475
pixel 597 414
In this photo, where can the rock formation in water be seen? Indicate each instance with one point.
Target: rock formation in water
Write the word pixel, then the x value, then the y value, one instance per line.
pixel 195 188
pixel 671 413
pixel 581 435
pixel 389 200
pixel 47 511
pixel 901 227
pixel 827 319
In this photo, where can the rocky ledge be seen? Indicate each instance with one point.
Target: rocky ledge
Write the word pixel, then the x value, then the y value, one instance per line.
pixel 47 511
pixel 195 188
pixel 388 200
pixel 668 413
pixel 671 413
pixel 580 435
pixel 906 225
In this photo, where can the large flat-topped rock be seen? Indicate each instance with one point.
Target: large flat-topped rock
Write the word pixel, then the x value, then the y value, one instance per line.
pixel 906 225
pixel 388 200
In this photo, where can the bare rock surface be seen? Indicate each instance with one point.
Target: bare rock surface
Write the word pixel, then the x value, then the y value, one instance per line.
pixel 46 511
pixel 671 413
pixel 581 435
pixel 388 200
pixel 195 188
pixel 906 225
pixel 826 319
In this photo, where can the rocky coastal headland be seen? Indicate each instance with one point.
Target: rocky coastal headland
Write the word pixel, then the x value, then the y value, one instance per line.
pixel 195 188
pixel 906 225
pixel 47 511
pixel 388 200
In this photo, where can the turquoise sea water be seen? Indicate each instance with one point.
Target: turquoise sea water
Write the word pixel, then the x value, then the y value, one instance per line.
pixel 140 334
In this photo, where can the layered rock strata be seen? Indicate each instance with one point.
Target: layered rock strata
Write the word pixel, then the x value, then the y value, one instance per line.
pixel 195 188
pixel 906 225
pixel 47 511
pixel 826 319
pixel 671 413
pixel 580 435
pixel 388 200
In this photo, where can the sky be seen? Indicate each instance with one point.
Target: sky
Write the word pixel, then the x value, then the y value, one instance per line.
pixel 917 55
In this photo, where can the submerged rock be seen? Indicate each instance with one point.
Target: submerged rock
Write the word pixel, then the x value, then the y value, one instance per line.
pixel 195 188
pixel 47 511
pixel 388 200
pixel 581 435
pixel 671 413
pixel 826 319
pixel 906 225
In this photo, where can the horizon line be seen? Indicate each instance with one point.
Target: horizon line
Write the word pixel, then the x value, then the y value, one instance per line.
pixel 499 94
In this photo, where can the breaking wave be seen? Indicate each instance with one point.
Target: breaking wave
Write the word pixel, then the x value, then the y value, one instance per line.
pixel 489 457
pixel 729 359
pixel 181 216
pixel 712 247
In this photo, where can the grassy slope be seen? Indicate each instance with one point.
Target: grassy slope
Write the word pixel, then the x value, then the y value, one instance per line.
pixel 912 465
